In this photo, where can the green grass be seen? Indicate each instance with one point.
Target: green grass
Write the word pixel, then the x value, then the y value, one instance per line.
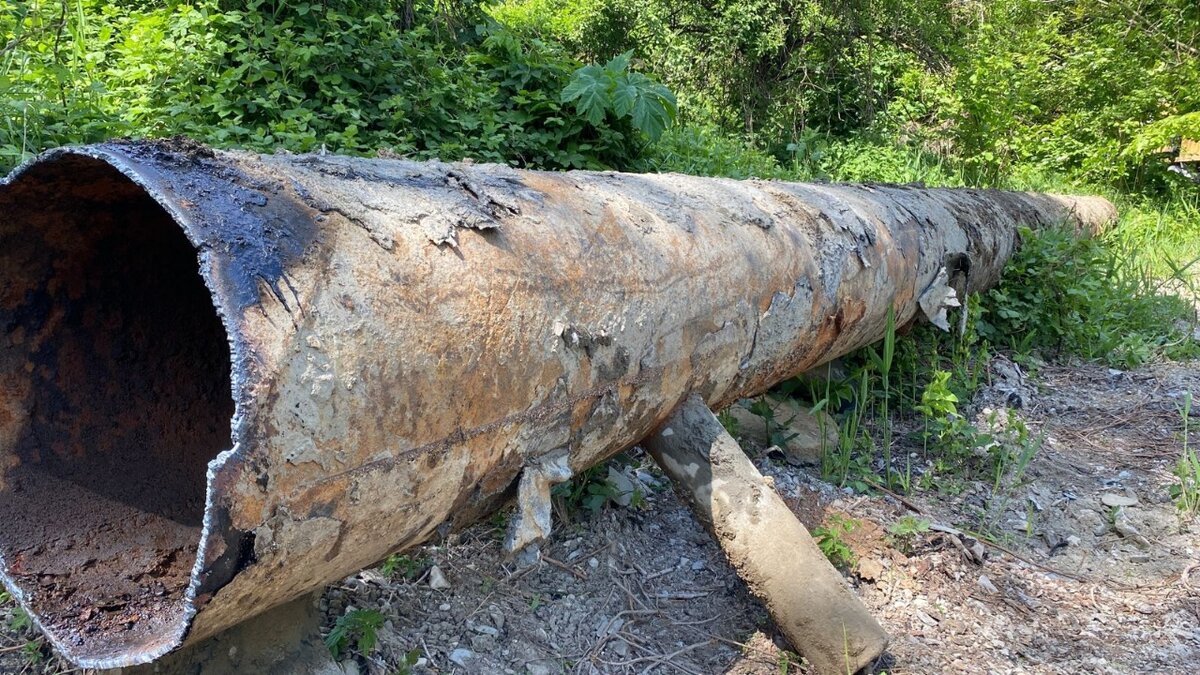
pixel 1186 492
pixel 1060 297
pixel 1088 297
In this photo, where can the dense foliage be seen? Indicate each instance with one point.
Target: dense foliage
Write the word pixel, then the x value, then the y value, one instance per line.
pixel 1083 88
pixel 353 76
pixel 991 89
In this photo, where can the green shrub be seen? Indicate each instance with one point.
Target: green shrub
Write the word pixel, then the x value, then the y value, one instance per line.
pixel 1065 294
pixel 831 540
pixel 351 76
pixel 611 91
pixel 704 150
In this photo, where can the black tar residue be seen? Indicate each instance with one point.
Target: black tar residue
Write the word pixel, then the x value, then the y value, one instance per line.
pixel 255 221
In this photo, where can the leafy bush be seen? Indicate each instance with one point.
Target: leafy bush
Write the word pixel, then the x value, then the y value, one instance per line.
pixel 957 444
pixel 595 30
pixel 905 532
pixel 402 566
pixel 1064 294
pixel 864 160
pixel 1067 85
pixel 592 491
pixel 703 150
pixel 830 539
pixel 600 92
pixel 908 526
pixel 352 76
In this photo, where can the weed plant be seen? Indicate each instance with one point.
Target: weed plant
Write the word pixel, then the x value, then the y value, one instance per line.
pixel 357 629
pixel 1186 492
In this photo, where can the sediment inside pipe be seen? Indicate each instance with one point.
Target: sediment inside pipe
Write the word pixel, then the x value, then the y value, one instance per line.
pixel 114 396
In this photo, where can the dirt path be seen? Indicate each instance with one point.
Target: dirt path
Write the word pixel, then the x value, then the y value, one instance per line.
pixel 646 590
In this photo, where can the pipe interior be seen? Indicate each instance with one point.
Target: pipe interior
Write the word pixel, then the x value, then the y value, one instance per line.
pixel 114 396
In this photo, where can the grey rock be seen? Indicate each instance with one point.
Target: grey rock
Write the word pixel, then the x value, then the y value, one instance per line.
pixel 623 486
pixel 1114 499
pixel 437 580
pixel 462 657
pixel 986 584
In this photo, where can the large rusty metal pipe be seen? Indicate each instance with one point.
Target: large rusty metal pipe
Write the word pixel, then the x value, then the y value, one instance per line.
pixel 229 379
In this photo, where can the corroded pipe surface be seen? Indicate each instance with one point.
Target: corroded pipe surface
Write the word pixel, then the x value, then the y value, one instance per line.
pixel 229 379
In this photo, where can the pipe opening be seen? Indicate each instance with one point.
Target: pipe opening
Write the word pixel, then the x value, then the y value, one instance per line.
pixel 114 396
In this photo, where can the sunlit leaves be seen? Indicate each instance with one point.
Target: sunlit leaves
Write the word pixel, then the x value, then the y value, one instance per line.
pixel 353 77
pixel 589 89
pixel 598 91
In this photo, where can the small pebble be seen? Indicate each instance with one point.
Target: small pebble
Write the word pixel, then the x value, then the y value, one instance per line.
pixel 462 656
pixel 987 585
pixel 437 580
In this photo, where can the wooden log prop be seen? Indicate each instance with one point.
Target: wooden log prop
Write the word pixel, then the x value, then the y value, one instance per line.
pixel 230 379
pixel 771 551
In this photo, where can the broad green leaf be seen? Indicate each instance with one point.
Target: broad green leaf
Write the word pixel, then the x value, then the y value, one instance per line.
pixel 624 95
pixel 588 88
pixel 619 63
pixel 650 117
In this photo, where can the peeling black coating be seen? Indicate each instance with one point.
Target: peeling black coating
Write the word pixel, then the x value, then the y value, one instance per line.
pixel 256 221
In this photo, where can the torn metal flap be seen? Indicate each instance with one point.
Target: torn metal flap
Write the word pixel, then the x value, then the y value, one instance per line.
pixel 937 298
pixel 532 522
